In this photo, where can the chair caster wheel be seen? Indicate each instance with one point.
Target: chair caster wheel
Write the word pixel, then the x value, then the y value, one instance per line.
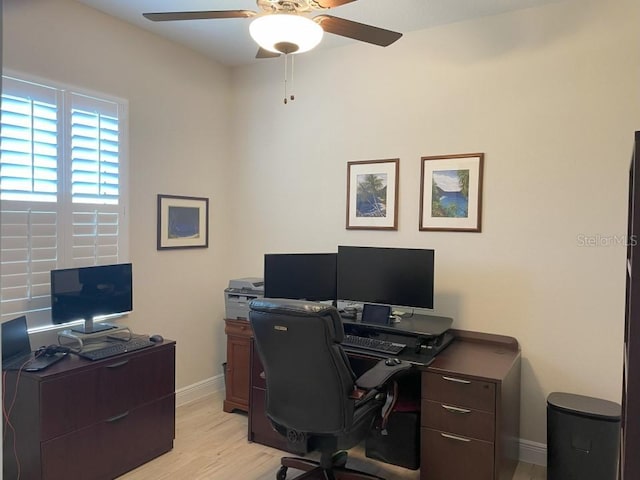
pixel 282 473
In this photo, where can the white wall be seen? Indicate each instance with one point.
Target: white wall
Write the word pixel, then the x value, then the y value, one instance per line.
pixel 179 144
pixel 550 95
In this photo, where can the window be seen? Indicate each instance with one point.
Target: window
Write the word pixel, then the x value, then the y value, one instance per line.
pixel 63 195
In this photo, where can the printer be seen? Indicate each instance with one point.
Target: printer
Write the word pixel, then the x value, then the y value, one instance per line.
pixel 238 295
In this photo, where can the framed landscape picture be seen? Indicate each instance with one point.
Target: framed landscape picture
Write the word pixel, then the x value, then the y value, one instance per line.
pixel 372 194
pixel 183 222
pixel 451 193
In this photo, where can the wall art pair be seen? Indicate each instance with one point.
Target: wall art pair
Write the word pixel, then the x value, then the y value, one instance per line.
pixel 450 193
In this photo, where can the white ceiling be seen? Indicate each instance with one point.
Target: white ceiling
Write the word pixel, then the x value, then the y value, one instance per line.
pixel 227 41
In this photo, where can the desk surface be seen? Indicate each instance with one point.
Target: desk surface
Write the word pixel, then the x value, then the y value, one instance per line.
pixel 415 325
pixel 478 355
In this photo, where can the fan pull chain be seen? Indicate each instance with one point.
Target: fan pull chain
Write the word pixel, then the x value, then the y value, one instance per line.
pixel 288 97
pixel 293 60
pixel 285 78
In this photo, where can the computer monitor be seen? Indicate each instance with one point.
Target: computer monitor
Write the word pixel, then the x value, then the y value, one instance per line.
pixel 88 292
pixel 390 276
pixel 302 276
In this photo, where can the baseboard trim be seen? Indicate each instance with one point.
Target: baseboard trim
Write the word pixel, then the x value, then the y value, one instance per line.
pixel 533 452
pixel 198 390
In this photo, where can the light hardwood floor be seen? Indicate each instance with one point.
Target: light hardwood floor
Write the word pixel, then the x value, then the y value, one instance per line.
pixel 212 445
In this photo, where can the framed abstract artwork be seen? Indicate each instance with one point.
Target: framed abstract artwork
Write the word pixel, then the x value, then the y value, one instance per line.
pixel 183 222
pixel 451 193
pixel 372 194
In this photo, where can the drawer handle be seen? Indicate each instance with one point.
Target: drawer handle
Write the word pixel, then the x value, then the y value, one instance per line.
pixel 456 380
pixel 118 417
pixel 262 375
pixel 455 437
pixel 455 409
pixel 119 364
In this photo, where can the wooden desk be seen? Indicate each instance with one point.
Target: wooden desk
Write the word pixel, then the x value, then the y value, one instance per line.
pixel 478 375
pixel 91 420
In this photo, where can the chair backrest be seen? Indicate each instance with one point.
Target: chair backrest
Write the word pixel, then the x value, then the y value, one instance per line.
pixel 308 375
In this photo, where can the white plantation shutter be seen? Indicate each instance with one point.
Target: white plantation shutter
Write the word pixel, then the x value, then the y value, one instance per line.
pixel 29 142
pixel 28 253
pixel 94 151
pixel 95 236
pixel 95 181
pixel 62 190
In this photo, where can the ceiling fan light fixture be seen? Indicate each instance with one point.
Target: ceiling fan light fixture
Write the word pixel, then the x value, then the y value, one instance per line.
pixel 286 33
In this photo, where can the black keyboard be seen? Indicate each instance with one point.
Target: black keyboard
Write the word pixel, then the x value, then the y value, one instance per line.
pixel 381 346
pixel 116 349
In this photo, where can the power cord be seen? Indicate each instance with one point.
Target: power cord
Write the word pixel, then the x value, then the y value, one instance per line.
pixel 6 412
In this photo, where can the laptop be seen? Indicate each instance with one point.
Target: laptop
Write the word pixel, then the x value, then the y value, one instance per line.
pixel 16 348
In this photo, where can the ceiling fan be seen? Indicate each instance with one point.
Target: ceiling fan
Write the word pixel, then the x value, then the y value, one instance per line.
pixel 283 27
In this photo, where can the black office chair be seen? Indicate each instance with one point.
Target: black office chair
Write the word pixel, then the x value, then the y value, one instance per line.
pixel 313 397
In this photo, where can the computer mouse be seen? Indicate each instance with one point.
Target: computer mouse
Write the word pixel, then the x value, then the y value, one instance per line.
pixel 156 338
pixel 392 361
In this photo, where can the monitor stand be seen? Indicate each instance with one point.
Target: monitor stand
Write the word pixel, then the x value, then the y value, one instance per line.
pixel 90 327
pixel 76 341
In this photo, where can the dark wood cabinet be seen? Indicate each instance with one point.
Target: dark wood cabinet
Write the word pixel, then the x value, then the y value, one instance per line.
pixel 237 367
pixel 91 420
pixel 630 427
pixel 470 411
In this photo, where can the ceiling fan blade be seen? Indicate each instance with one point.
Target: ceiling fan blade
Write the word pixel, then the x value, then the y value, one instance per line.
pixel 357 31
pixel 264 53
pixel 204 15
pixel 332 3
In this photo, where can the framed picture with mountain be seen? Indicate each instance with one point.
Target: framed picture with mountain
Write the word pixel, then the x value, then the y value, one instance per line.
pixel 451 193
pixel 372 194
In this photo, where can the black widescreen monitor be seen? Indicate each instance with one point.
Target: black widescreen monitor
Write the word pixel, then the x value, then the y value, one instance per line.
pixel 301 276
pixel 390 276
pixel 88 292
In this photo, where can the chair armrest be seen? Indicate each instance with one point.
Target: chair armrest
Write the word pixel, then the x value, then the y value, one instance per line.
pixel 380 374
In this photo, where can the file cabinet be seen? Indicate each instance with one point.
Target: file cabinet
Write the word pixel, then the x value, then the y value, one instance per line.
pixel 470 410
pixel 90 420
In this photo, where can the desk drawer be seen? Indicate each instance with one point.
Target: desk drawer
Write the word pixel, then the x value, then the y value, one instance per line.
pixel 109 448
pixel 239 328
pixel 107 388
pixel 459 391
pixel 454 457
pixel 462 421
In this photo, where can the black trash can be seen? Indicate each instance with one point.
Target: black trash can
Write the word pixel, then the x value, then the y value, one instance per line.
pixel 583 437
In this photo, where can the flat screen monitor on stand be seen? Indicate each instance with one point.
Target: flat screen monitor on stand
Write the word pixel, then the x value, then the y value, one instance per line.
pixel 89 292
